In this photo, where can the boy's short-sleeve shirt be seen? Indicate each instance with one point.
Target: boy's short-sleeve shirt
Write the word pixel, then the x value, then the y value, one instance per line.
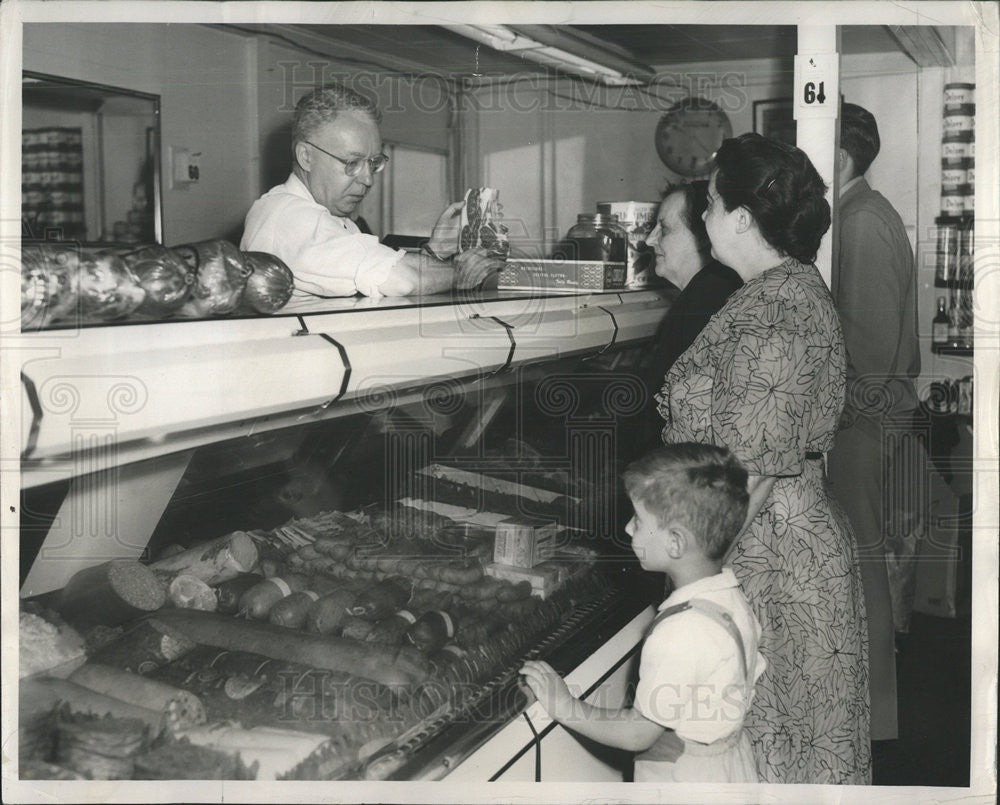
pixel 691 679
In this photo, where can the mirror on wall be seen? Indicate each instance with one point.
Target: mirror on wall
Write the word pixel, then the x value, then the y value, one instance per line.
pixel 90 166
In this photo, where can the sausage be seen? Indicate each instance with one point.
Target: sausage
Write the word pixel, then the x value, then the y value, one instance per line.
pixel 258 600
pixel 292 611
pixel 389 666
pixel 229 592
pixel 382 599
pixel 431 631
pixel 327 615
pixel 514 592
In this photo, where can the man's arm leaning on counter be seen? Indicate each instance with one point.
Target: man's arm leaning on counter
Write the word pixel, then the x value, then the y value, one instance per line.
pixel 419 273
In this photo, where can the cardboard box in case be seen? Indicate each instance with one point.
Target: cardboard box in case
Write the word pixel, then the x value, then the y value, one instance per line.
pixel 545 578
pixel 523 543
pixel 521 274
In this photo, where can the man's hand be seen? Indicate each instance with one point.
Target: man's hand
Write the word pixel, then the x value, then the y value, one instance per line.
pixel 474 267
pixel 549 688
pixel 443 241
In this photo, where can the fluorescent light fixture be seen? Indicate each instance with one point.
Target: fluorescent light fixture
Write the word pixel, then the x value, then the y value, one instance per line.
pixel 502 38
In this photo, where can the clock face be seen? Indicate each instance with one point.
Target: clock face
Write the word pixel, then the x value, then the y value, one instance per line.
pixel 689 134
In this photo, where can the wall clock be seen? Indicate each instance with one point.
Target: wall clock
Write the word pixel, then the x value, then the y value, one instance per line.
pixel 689 133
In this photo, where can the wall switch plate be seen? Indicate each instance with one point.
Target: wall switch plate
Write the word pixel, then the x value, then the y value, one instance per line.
pixel 185 166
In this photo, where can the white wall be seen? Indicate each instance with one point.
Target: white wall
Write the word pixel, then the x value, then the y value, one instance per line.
pixel 555 149
pixel 886 85
pixel 207 104
pixel 414 113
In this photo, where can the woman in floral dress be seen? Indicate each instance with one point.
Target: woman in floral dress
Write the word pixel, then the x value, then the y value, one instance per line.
pixel 765 378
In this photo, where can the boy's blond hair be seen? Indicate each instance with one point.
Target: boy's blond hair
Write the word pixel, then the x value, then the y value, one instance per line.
pixel 699 485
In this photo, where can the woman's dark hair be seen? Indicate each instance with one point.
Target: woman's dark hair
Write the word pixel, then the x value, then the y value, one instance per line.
pixel 780 188
pixel 859 136
pixel 695 202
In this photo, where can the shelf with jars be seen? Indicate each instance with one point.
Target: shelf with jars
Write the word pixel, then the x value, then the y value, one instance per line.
pixel 952 327
pixel 953 323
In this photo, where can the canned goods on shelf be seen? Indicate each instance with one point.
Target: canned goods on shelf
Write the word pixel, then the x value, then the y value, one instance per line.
pixel 959 120
pixel 969 203
pixel 958 146
pixel 959 94
pixel 954 176
pixel 952 202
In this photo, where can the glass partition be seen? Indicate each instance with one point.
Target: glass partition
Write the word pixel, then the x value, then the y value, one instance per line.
pixel 90 162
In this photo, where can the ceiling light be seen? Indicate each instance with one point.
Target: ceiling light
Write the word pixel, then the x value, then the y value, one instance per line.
pixel 504 39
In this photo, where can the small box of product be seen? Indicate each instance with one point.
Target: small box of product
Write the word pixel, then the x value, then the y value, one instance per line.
pixel 520 542
pixel 575 276
pixel 545 578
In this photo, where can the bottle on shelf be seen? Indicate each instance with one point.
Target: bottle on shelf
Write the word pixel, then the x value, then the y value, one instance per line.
pixel 954 341
pixel 966 315
pixel 940 325
pixel 948 251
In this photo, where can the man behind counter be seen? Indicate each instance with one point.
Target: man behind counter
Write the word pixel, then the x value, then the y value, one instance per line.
pixel 337 150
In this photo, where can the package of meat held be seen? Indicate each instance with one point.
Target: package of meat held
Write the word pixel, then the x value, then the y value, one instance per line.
pixel 481 225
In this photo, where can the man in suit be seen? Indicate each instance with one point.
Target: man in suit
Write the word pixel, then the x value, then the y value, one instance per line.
pixel 874 288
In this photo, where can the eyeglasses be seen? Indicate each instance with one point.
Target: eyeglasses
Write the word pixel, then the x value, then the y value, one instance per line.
pixel 352 167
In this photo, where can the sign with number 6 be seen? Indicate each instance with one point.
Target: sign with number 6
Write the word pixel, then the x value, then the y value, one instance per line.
pixel 817 85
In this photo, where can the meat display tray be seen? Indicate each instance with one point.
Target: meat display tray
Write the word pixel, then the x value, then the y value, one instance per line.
pixel 442 743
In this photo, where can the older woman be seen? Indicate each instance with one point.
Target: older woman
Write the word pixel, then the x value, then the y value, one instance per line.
pixel 765 378
pixel 684 257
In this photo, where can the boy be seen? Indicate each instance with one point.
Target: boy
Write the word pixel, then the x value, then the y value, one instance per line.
pixel 699 660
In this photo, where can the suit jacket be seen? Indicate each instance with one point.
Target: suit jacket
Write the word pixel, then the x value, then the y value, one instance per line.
pixel 874 288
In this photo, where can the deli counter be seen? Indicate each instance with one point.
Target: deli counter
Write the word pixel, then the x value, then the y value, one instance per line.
pixel 370 456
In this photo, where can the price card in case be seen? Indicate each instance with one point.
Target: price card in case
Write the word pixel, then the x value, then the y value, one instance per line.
pixel 817 85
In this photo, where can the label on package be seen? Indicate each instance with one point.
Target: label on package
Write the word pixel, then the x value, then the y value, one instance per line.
pixel 561 275
pixel 523 543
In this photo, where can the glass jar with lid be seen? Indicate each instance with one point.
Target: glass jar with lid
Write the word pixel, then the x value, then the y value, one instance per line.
pixel 594 237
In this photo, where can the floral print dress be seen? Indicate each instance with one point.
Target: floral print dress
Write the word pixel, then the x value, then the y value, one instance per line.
pixel 765 378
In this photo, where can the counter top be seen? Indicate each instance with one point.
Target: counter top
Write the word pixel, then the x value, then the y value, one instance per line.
pixel 154 388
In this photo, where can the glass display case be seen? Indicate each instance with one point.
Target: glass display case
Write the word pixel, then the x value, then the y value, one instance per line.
pixel 364 459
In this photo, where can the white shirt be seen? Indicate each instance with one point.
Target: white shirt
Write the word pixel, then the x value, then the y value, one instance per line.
pixel 690 675
pixel 328 254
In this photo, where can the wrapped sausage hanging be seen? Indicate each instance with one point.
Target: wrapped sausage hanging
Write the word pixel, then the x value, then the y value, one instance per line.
pixel 220 277
pixel 163 275
pixel 49 287
pixel 108 290
pixel 270 284
pixel 69 284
